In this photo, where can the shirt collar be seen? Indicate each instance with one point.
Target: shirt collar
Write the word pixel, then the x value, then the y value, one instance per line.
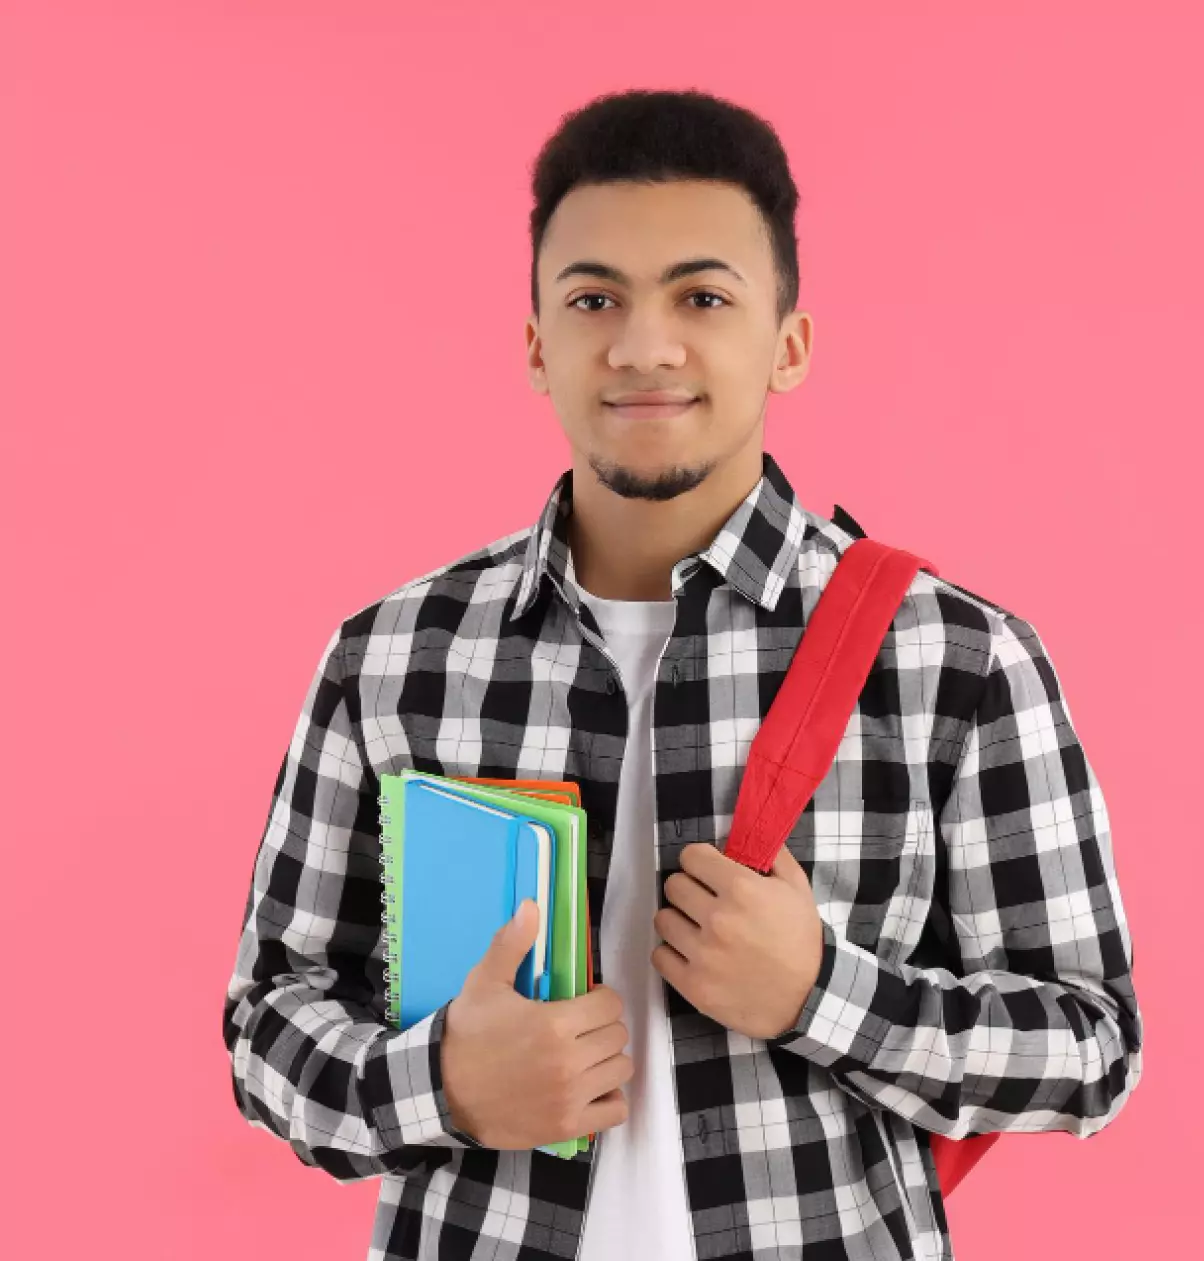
pixel 754 550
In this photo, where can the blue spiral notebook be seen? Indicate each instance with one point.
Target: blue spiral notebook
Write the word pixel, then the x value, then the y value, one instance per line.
pixel 459 869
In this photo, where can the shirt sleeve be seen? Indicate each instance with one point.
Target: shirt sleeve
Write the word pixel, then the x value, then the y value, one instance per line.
pixel 1039 1029
pixel 313 1058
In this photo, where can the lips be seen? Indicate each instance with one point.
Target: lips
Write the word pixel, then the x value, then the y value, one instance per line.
pixel 651 411
pixel 642 398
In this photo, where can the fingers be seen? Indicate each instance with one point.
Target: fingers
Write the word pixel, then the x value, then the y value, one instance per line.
pixel 599 1045
pixel 605 1113
pixel 602 1006
pixel 609 1102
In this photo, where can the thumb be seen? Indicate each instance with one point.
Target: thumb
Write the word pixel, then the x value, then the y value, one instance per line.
pixel 511 943
pixel 786 867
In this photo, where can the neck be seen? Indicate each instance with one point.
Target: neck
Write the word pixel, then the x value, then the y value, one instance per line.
pixel 625 549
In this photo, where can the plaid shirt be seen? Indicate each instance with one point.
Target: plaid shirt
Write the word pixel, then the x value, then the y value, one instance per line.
pixel 976 967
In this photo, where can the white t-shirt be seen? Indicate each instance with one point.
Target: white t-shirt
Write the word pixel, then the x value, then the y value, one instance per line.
pixel 638 1205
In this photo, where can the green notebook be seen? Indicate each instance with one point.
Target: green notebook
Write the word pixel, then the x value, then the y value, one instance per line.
pixel 569 960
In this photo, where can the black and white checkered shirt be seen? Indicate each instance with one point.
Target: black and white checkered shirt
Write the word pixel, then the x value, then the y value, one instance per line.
pixel 977 965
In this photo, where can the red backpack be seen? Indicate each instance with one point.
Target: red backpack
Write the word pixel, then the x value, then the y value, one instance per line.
pixel 798 738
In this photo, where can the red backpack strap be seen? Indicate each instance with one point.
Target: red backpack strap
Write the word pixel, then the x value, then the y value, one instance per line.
pixel 795 745
pixel 797 740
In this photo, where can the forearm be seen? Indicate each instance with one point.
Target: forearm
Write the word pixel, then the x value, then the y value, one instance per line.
pixel 313 1058
pixel 988 1051
pixel 348 1094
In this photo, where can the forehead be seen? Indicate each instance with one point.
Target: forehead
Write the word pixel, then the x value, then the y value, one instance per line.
pixel 639 226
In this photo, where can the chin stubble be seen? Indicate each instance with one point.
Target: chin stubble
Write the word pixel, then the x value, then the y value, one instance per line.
pixel 667 484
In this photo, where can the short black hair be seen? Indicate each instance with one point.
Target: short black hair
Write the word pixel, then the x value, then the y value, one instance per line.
pixel 654 137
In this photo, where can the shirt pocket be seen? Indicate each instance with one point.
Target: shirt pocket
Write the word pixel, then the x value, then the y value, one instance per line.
pixel 867 859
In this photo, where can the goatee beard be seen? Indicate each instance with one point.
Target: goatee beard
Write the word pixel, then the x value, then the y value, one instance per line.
pixel 664 485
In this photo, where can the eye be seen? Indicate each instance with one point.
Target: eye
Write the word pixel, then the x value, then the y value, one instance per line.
pixel 707 293
pixel 698 293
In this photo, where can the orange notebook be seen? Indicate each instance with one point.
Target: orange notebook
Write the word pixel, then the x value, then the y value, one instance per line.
pixel 553 788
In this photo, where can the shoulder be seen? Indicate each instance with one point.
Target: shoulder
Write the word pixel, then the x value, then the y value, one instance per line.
pixel 936 598
pixel 487 576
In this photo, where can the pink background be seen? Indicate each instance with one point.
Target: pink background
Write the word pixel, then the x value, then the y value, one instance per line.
pixel 263 276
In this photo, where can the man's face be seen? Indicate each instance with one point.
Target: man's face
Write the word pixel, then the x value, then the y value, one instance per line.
pixel 710 334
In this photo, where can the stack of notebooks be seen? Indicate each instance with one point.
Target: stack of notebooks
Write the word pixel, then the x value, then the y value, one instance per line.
pixel 458 857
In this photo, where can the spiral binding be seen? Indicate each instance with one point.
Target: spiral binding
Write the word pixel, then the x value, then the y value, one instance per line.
pixel 388 898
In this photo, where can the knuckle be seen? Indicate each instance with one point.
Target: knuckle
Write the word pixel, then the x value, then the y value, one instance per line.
pixel 566 1118
pixel 563 1075
pixel 557 1022
pixel 721 926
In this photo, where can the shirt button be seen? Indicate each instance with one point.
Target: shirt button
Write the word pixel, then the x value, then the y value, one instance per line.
pixel 611 686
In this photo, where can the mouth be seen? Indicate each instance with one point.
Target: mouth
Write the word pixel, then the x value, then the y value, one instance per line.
pixel 650 411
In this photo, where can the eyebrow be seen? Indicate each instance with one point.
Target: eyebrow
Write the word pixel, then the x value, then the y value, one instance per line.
pixel 687 267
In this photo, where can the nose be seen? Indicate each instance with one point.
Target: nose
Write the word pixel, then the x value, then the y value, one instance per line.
pixel 646 343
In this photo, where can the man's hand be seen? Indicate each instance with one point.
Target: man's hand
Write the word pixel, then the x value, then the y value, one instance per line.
pixel 521 1073
pixel 743 947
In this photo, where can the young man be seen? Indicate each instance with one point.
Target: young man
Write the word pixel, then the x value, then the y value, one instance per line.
pixel 941 946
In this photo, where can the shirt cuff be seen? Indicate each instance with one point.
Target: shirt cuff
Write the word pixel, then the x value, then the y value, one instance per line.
pixel 403 1087
pixel 836 1027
